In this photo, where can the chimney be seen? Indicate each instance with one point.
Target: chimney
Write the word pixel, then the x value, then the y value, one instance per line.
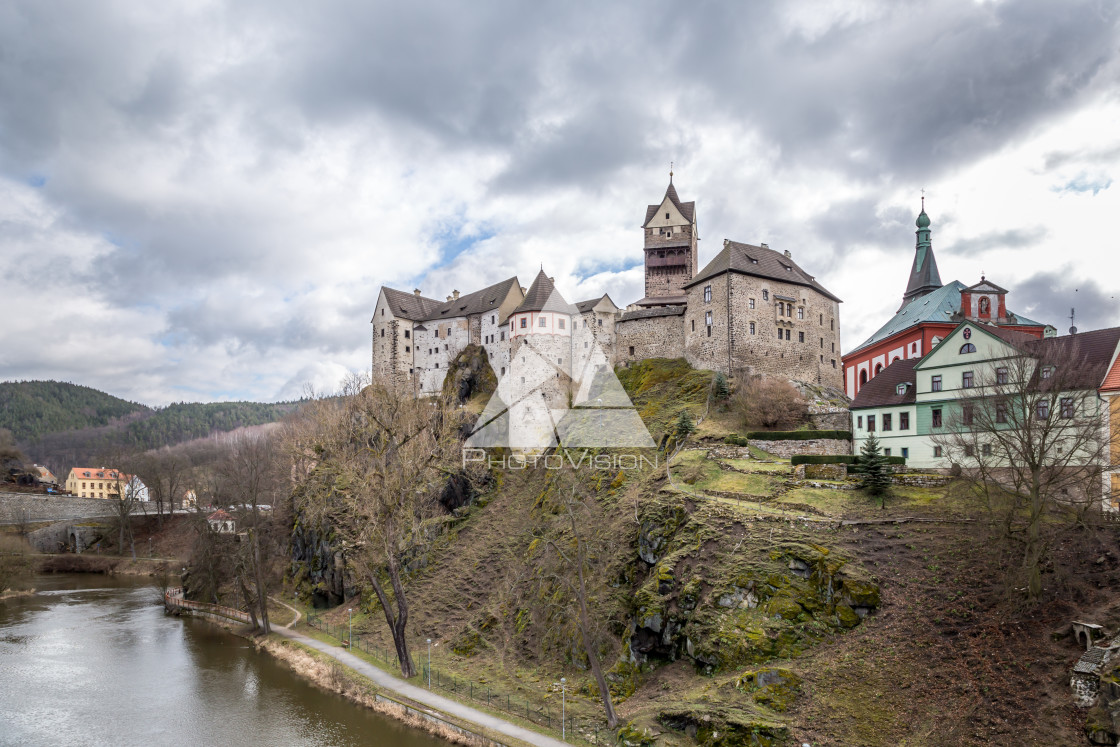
pixel 552 280
pixel 449 298
pixel 764 245
pixel 416 292
pixel 788 255
pixel 455 295
pixel 523 289
pixel 728 241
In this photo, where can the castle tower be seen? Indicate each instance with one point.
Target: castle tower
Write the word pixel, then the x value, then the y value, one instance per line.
pixel 924 277
pixel 670 249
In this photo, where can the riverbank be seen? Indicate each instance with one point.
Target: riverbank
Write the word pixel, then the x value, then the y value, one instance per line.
pixel 338 671
pixel 113 565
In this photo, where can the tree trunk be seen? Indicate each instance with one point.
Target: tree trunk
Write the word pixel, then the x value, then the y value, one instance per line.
pixel 248 598
pixel 262 590
pixel 585 634
pixel 397 622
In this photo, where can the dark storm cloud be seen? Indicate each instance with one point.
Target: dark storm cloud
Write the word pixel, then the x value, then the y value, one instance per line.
pixel 1048 297
pixel 1015 238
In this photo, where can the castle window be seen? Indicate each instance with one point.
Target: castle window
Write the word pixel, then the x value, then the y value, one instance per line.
pixel 750 303
pixel 561 323
pixel 936 413
pixel 707 294
pixel 779 334
pixel 986 449
pixel 752 328
pixel 666 216
pixel 937 451
pixel 787 334
pixel 559 361
pixel 693 325
pixel 765 295
pixel 1066 407
pixel 801 337
pixel 631 353
pixel 524 322
pixel 834 347
pixel 544 322
pixel 967 414
pixel 437 364
pixel 800 312
pixel 968 347
pixel 822 320
pixel 935 384
pixel 382 333
pixel 878 368
pixel 503 370
pixel 1001 375
pixel 966 379
pixel 863 377
pixel 832 324
pixel 406 334
pixel 503 335
pixel 493 319
pixel 600 322
pixel 407 349
pixel 870 423
pixel 904 421
pixel 886 452
pixel 1042 409
pixel 859 421
pixel 822 343
pixel 1001 413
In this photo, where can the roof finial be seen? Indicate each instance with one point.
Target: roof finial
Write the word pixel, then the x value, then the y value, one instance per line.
pixel 923 199
pixel 670 172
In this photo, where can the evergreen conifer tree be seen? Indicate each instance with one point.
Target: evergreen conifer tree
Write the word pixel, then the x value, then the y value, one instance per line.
pixel 721 390
pixel 875 469
pixel 685 427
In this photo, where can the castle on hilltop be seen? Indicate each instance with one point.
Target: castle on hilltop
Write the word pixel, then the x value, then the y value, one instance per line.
pixel 751 310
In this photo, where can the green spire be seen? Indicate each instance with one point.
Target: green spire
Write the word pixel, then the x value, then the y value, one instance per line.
pixel 924 277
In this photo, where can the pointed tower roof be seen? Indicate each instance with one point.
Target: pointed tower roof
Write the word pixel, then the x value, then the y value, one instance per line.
pixel 543 296
pixel 688 209
pixel 924 277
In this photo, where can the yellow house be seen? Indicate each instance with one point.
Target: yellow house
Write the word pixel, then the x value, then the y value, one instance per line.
pixel 96 482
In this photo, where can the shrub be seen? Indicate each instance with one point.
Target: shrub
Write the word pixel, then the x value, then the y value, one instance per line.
pixel 770 403
pixel 720 389
pixel 873 467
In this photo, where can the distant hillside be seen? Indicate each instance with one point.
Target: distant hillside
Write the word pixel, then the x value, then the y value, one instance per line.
pixel 61 424
pixel 31 409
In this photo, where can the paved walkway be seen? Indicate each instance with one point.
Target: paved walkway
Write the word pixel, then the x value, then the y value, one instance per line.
pixel 420 694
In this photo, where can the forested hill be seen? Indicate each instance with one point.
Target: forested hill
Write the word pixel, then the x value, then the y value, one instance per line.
pixel 61 424
pixel 32 409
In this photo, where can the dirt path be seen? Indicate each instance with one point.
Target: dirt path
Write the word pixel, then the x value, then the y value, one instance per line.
pixel 421 695
pixel 293 609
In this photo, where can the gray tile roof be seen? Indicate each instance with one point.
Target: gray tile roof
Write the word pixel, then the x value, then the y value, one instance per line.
pixel 409 305
pixel 648 313
pixel 487 299
pixel 882 391
pixel 760 262
pixel 543 296
pixel 688 209
pixel 589 304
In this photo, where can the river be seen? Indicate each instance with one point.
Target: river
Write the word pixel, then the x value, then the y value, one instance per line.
pixel 94 660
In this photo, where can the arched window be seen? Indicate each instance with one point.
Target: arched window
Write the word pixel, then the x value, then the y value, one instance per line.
pixel 863 377
pixel 968 347
pixel 985 307
pixel 878 368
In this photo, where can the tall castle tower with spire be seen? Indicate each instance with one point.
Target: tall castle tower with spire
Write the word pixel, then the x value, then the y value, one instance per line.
pixel 924 277
pixel 671 256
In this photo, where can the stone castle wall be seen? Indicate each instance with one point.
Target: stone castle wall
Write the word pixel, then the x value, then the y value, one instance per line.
pixel 649 337
pixel 746 320
pixel 34 507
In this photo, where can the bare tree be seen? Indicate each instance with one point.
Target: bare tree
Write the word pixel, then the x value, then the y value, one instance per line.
pixel 252 477
pixel 770 403
pixel 380 459
pixel 574 555
pixel 15 560
pixel 166 473
pixel 1030 440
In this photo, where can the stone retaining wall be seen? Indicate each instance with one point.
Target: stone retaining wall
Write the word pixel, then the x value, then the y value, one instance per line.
pixel 816 446
pixel 36 507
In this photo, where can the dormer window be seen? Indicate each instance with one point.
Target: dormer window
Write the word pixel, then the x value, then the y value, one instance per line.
pixel 901 388
pixel 1047 372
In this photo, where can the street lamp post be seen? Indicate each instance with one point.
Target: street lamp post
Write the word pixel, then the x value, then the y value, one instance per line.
pixel 350 639
pixel 429 663
pixel 563 709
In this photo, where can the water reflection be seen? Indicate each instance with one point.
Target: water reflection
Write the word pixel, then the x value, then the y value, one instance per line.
pixel 91 660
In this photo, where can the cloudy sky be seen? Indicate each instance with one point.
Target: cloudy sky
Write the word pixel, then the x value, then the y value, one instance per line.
pixel 200 200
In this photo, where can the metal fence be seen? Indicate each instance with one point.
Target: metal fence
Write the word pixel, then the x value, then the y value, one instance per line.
pixel 595 732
